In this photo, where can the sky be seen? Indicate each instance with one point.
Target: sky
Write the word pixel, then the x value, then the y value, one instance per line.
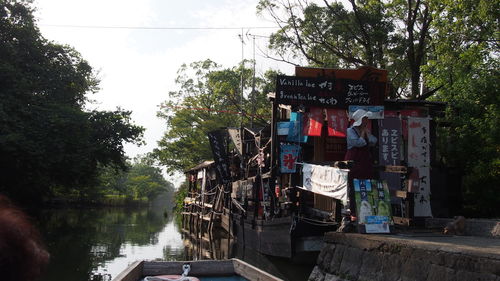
pixel 137 67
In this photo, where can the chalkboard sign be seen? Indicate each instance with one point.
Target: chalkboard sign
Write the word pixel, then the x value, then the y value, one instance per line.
pixel 325 92
pixel 218 145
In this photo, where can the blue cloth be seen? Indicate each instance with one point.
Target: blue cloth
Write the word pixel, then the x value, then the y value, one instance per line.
pixel 354 140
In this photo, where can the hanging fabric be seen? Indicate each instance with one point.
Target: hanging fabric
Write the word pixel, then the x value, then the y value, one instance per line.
pixel 295 129
pixel 289 154
pixel 325 180
pixel 337 122
pixel 419 158
pixel 313 122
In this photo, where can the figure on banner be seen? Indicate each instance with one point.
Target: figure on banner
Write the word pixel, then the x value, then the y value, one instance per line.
pixel 359 141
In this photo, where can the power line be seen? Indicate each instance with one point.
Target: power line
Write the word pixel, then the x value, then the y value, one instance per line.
pixel 157 27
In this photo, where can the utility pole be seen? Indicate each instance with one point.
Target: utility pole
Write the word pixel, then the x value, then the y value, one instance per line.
pixel 241 77
pixel 253 86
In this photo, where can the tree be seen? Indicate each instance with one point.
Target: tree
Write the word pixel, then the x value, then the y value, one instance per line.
pixel 147 181
pixel 141 179
pixel 386 34
pixel 465 62
pixel 48 140
pixel 209 98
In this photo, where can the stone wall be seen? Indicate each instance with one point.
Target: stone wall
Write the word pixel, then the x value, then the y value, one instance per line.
pixel 350 256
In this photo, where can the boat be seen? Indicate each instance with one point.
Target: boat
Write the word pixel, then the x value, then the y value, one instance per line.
pixel 256 187
pixel 201 269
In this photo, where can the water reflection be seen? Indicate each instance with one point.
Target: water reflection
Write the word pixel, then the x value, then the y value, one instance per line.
pixel 97 244
pixel 87 243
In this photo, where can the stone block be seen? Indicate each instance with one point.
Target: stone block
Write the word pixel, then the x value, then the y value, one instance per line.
pixel 490 266
pixel 331 277
pixel 338 255
pixel 391 267
pixel 466 275
pixel 372 264
pixel 437 272
pixel 316 275
pixel 326 256
pixel 415 270
pixel 351 262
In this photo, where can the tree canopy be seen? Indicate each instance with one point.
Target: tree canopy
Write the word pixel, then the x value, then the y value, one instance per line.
pixel 47 137
pixel 393 35
pixel 465 61
pixel 209 97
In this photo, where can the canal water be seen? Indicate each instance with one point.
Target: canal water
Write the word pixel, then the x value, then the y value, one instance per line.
pixel 95 244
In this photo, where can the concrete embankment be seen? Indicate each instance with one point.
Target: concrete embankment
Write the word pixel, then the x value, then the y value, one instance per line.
pixel 410 256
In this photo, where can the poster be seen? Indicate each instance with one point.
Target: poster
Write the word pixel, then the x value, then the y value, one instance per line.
pixel 289 153
pixel 337 122
pixel 313 122
pixel 373 204
pixel 419 158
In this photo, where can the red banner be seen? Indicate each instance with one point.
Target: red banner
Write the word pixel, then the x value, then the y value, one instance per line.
pixel 313 122
pixel 337 122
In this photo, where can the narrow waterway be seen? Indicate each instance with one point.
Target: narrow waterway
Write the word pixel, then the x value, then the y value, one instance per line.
pixel 98 243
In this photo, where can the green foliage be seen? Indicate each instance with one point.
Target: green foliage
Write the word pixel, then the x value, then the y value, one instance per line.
pixel 49 143
pixel 386 34
pixel 209 98
pixel 141 180
pixel 180 194
pixel 465 62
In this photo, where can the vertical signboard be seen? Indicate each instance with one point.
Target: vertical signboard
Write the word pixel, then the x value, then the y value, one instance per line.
pixel 419 158
pixel 390 139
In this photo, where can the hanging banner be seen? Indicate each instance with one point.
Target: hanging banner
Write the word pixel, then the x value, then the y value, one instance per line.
pixel 423 196
pixel 418 142
pixel 235 135
pixel 289 153
pixel 337 122
pixel 389 141
pixel 325 180
pixel 218 145
pixel 313 122
pixel 295 129
pixel 419 158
